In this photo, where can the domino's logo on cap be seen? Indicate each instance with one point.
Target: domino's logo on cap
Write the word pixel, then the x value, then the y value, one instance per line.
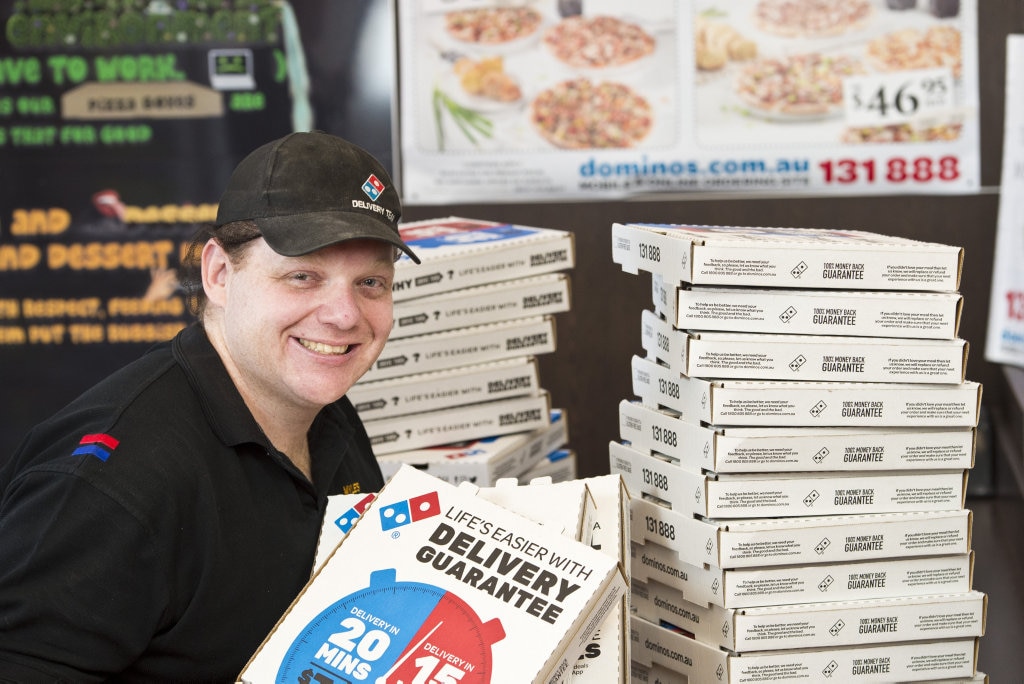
pixel 373 187
pixel 402 513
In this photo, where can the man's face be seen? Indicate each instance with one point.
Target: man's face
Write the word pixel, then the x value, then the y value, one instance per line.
pixel 300 331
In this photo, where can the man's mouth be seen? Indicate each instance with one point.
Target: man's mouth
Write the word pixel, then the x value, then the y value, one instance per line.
pixel 321 348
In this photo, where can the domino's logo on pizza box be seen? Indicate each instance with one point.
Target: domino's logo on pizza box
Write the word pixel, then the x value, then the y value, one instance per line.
pixel 373 187
pixel 402 513
pixel 346 520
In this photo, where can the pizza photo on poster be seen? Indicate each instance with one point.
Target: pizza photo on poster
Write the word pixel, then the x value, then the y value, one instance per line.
pixel 542 76
pixel 777 69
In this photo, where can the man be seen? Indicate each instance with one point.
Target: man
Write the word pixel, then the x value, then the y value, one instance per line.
pixel 157 527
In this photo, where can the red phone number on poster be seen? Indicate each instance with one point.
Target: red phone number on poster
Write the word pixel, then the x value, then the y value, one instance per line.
pixel 893 170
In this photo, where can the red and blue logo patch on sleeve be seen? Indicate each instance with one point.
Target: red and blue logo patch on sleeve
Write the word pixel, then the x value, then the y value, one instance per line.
pixel 98 445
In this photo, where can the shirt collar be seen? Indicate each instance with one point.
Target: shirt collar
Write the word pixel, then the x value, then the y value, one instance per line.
pixel 227 413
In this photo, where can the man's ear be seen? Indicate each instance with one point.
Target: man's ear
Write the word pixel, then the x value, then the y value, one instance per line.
pixel 216 266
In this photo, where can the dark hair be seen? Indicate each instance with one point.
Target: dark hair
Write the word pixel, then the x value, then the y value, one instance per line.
pixel 233 237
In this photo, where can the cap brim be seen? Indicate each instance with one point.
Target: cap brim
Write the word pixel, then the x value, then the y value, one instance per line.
pixel 322 229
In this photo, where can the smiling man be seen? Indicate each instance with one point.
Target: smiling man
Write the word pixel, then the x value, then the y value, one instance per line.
pixel 157 527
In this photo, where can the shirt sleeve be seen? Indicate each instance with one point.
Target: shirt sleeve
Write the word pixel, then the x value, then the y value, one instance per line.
pixel 73 566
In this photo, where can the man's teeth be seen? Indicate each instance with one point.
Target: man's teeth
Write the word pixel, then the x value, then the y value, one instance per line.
pixel 321 348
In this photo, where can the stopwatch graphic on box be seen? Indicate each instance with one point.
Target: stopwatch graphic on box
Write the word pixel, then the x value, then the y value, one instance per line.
pixel 393 632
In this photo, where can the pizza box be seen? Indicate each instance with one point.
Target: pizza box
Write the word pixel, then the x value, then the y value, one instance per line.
pixel 541 295
pixel 486 460
pixel 914 661
pixel 814 625
pixel 456 253
pixel 459 423
pixel 459 386
pixel 803 404
pixel 463 347
pixel 778 585
pixel 854 313
pixel 757 542
pixel 815 358
pixel 657 674
pixel 788 449
pixel 560 465
pixel 771 495
pixel 434 582
pixel 809 258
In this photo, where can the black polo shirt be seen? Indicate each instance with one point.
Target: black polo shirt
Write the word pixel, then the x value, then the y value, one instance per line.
pixel 150 532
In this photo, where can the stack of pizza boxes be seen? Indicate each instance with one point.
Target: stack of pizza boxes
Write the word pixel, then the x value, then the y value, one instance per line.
pixel 456 389
pixel 797 455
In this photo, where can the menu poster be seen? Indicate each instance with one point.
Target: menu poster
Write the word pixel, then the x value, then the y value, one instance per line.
pixel 119 125
pixel 1004 341
pixel 561 99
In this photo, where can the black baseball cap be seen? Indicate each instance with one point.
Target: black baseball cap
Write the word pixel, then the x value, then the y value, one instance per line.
pixel 309 190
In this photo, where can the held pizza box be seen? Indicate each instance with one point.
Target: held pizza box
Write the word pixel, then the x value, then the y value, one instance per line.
pixel 785 584
pixel 810 258
pixel 435 583
pixel 770 495
pixel 854 313
pixel 917 661
pixel 464 347
pixel 506 300
pixel 457 386
pixel 460 252
pixel 745 543
pixel 460 423
pixel 484 461
pixel 815 358
pixel 788 449
pixel 805 404
pixel 814 625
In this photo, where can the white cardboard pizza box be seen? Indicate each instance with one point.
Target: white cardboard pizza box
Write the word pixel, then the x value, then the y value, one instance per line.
pixel 815 625
pixel 808 358
pixel 790 449
pixel 433 581
pixel 456 253
pixel 464 347
pixel 806 404
pixel 505 300
pixel 755 587
pixel 770 495
pixel 811 258
pixel 903 662
pixel 457 386
pixel 913 315
pixel 484 461
pixel 459 423
pixel 759 542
